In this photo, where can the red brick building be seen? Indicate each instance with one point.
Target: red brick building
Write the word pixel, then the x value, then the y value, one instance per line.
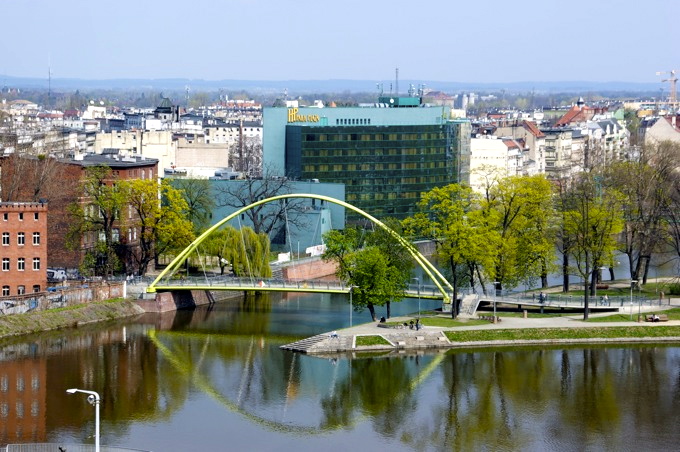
pixel 23 253
pixel 58 182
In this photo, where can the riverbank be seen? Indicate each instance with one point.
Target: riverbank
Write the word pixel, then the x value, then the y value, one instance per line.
pixel 510 331
pixel 67 317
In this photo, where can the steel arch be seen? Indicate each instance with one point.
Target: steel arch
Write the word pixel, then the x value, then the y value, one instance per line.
pixel 426 265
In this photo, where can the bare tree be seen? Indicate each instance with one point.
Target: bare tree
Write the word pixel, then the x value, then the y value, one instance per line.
pixel 267 217
pixel 246 156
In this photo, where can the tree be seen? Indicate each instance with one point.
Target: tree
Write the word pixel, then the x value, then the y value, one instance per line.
pixel 396 255
pixel 645 194
pixel 246 157
pixel 518 209
pixel 97 216
pixel 267 217
pixel 592 220
pixel 450 217
pixel 376 278
pixel 246 251
pixel 163 224
pixel 197 193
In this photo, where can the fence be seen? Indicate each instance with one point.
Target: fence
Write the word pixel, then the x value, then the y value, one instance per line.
pixel 61 296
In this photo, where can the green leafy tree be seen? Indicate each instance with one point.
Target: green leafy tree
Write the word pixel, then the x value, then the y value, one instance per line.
pixel 450 217
pixel 163 224
pixel 518 209
pixel 592 220
pixel 369 267
pixel 197 193
pixel 98 216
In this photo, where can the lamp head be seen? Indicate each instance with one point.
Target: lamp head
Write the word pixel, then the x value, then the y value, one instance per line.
pixel 72 390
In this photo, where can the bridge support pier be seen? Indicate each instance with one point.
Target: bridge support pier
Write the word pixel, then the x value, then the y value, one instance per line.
pixel 173 301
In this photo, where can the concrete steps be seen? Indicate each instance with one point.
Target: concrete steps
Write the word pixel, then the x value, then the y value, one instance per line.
pixel 304 345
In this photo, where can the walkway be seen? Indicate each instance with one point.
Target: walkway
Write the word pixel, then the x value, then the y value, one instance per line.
pixel 434 337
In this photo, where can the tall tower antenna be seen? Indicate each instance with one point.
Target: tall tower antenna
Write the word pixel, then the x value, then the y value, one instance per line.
pixel 673 80
pixel 49 82
pixel 396 84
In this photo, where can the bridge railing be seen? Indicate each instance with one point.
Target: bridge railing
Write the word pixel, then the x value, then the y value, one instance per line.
pixel 250 283
pixel 567 300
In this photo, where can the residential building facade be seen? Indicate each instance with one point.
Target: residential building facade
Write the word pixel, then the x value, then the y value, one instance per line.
pixel 23 228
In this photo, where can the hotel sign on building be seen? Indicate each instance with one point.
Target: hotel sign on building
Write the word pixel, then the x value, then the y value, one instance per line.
pixel 294 116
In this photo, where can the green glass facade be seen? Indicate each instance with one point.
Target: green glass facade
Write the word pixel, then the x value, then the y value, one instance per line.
pixel 385 168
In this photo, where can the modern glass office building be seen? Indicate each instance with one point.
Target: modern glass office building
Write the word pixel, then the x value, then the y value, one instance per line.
pixel 386 157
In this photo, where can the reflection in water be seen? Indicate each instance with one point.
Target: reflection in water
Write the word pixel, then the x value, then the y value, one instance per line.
pixel 199 380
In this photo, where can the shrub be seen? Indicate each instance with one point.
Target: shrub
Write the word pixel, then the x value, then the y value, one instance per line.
pixel 674 289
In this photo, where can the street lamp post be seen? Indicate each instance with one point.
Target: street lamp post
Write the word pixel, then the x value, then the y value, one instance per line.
pixel 418 279
pixel 94 399
pixel 495 285
pixel 632 283
pixel 351 288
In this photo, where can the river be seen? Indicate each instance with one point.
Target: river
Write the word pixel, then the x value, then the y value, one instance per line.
pixel 214 379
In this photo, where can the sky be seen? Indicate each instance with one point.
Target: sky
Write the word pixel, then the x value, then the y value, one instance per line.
pixel 444 40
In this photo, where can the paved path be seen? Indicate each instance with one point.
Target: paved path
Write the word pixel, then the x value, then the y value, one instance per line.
pixel 433 337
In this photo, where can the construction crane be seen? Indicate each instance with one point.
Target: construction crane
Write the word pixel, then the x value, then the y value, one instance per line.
pixel 673 81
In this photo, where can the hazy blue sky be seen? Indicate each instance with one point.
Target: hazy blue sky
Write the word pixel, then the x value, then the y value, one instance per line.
pixel 446 40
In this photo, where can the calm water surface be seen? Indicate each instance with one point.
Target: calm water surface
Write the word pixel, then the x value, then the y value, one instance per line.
pixel 214 379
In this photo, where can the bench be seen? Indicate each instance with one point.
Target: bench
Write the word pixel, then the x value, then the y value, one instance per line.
pixel 489 318
pixel 662 318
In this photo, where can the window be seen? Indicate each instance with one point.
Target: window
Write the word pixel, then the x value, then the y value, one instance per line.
pixel 5 216
pixel 21 290
pixel 36 238
pixel 36 263
pixel 36 216
pixel 5 238
pixel 5 291
pixel 21 264
pixel 36 288
pixel 21 239
pixel 5 264
pixel 21 216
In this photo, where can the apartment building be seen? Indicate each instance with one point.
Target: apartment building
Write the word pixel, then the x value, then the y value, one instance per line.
pixel 23 227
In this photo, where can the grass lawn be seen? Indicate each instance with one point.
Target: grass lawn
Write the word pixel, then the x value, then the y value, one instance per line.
pixel 363 341
pixel 563 333
pixel 673 314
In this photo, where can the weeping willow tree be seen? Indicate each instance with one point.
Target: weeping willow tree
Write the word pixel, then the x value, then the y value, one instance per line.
pixel 246 251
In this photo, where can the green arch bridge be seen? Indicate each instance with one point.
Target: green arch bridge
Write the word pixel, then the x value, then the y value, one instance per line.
pixel 165 281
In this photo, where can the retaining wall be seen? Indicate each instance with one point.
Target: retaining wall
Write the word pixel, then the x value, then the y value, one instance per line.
pixel 61 297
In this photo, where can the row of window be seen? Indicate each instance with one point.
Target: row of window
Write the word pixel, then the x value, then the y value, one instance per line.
pixel 372 137
pixel 4 409
pixel 20 383
pixel 21 264
pixel 371 152
pixel 5 216
pixel 21 238
pixel 353 121
pixel 21 290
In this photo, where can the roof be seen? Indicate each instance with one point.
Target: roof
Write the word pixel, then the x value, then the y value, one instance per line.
pixel 112 162
pixel 532 128
pixel 575 114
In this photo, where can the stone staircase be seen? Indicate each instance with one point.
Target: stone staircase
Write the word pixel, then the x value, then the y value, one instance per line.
pixel 320 343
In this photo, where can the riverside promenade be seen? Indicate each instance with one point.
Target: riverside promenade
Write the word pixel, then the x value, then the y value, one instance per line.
pixel 434 337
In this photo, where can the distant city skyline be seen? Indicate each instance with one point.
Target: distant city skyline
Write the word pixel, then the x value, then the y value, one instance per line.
pixel 491 41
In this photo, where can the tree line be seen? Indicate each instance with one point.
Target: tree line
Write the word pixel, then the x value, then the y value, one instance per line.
pixel 523 228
